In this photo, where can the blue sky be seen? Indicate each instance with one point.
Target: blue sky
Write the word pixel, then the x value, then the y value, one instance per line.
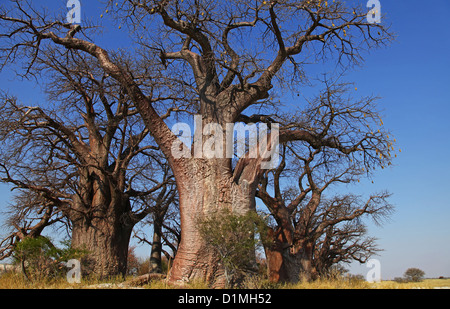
pixel 412 77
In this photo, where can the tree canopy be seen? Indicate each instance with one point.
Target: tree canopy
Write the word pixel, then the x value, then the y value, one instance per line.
pixel 226 61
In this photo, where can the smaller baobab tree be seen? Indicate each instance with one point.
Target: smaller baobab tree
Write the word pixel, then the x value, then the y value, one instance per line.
pixel 345 241
pixel 85 152
pixel 299 223
pixel 163 215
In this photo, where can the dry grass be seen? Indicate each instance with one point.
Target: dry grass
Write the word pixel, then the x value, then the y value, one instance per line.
pixel 355 284
pixel 11 280
pixel 425 284
pixel 17 281
pixel 331 284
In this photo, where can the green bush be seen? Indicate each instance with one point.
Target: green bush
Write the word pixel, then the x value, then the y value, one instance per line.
pixel 40 259
pixel 233 237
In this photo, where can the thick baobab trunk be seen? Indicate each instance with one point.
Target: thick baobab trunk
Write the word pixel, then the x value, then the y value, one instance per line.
pixel 101 226
pixel 210 187
pixel 283 266
pixel 199 196
pixel 305 260
pixel 276 267
pixel 205 187
pixel 106 241
pixel 290 254
pixel 288 260
pixel 282 260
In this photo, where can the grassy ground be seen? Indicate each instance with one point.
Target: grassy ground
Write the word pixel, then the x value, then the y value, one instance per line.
pixel 11 280
pixel 343 284
pixel 17 281
pixel 425 284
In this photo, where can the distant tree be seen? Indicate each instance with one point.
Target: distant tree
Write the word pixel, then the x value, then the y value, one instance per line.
pixel 414 274
pixel 399 280
pixel 133 263
pixel 164 219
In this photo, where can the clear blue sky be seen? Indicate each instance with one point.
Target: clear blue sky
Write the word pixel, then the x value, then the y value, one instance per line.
pixel 412 77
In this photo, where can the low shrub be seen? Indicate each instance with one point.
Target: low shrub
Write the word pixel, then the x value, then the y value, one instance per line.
pixel 40 259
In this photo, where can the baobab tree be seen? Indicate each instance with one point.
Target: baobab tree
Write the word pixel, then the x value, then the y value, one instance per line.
pixel 164 219
pixel 301 215
pixel 231 58
pixel 81 158
pixel 343 243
